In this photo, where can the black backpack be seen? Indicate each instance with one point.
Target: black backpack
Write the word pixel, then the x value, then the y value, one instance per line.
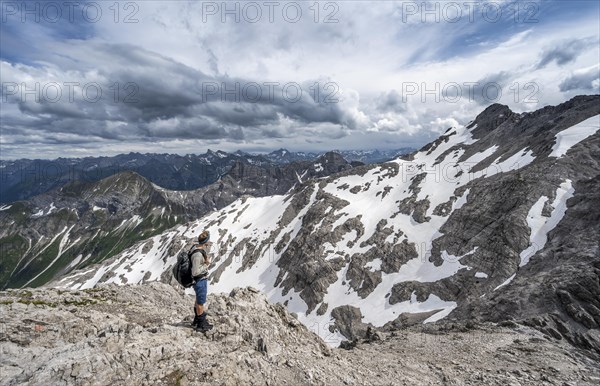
pixel 183 267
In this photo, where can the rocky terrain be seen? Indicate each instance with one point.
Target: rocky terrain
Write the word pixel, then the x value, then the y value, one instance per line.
pixel 496 221
pixel 83 223
pixel 139 335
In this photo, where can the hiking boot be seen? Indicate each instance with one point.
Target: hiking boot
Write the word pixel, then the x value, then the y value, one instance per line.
pixel 203 324
pixel 196 320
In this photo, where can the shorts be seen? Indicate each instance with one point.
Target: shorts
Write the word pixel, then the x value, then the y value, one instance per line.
pixel 201 288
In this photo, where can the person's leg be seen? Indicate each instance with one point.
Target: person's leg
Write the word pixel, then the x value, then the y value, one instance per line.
pixel 198 309
pixel 203 324
pixel 200 288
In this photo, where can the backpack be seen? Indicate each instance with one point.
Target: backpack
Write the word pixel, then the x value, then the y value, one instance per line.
pixel 182 270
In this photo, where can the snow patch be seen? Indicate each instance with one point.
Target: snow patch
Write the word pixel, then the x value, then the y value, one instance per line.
pixel 440 315
pixel 570 137
pixel 37 214
pixel 506 282
pixel 517 161
pixel 540 226
pixel 374 265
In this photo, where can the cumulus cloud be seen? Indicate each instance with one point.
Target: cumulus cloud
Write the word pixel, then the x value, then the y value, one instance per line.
pixel 390 101
pixel 157 97
pixel 566 51
pixel 587 79
pixel 488 89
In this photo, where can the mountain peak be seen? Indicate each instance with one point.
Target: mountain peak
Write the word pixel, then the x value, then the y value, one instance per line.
pixel 280 152
pixel 332 157
pixel 127 183
pixel 490 119
pixel 125 176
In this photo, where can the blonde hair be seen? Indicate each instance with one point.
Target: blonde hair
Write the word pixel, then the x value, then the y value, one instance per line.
pixel 203 237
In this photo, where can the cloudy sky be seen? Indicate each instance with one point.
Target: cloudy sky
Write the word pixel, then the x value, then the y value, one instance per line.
pixel 182 77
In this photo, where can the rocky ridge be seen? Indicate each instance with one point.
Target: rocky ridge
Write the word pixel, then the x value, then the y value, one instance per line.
pixel 140 335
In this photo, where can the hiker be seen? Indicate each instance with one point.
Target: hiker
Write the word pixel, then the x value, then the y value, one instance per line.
pixel 199 255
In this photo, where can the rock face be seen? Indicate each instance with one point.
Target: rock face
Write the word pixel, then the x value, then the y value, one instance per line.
pixel 559 290
pixel 494 221
pixel 140 335
pixel 267 181
pixel 83 223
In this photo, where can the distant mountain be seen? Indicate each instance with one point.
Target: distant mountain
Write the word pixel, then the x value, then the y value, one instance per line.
pixel 83 223
pixel 497 221
pixel 286 156
pixel 375 156
pixel 25 178
pixel 363 156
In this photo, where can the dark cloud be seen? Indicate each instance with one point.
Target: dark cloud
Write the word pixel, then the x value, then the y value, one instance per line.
pixel 213 61
pixel 565 52
pixel 146 96
pixel 585 80
pixel 390 102
pixel 483 91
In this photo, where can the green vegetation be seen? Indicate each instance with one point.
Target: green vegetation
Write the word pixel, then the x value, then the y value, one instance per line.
pixel 91 290
pixel 105 245
pixel 40 263
pixel 37 302
pixel 80 302
pixel 25 294
pixel 19 212
pixel 174 378
pixel 11 250
pixel 114 243
pixel 14 247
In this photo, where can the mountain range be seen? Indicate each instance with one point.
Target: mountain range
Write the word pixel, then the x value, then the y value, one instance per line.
pixel 82 223
pixel 497 221
pixel 25 178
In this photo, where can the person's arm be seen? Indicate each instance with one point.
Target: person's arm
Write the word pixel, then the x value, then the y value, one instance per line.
pixel 207 258
pixel 197 263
